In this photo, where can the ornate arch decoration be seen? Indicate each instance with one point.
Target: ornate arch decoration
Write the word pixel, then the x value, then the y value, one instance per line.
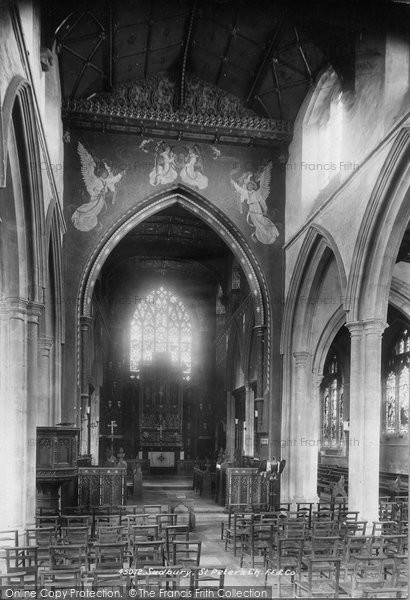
pixel 18 110
pixel 200 207
pixel 317 249
pixel 380 235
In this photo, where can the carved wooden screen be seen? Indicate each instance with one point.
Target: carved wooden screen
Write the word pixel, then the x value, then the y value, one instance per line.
pixel 246 488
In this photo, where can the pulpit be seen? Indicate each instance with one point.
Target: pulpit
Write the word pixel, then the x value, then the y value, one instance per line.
pixel 56 463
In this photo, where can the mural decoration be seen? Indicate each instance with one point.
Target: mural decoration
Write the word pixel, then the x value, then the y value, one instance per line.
pixel 254 188
pixel 192 172
pixel 165 169
pixel 100 182
pixel 168 165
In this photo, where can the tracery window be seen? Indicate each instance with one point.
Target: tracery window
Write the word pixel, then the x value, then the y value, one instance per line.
pixel 161 324
pixel 396 386
pixel 332 404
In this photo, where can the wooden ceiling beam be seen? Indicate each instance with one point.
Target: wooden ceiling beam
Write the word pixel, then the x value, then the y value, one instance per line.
pixel 264 63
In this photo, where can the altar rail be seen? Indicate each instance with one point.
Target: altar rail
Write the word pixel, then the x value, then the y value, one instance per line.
pixel 102 485
pixel 246 487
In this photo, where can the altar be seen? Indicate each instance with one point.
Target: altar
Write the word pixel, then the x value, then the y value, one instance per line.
pixel 160 459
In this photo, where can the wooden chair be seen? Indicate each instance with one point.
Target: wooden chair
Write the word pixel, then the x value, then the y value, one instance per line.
pixel 324 528
pixel 43 538
pixel 60 580
pixel 208 577
pixel 142 533
pixel 186 553
pixel 23 559
pixel 109 555
pixel 257 543
pixel 48 521
pixel 75 535
pixel 149 552
pixel 165 519
pixel 174 532
pixel 288 556
pixel 352 528
pixel 110 534
pixel 240 526
pixel 368 574
pixel 292 530
pixel 77 521
pixel 68 557
pixel 322 546
pixel 322 579
pixel 355 546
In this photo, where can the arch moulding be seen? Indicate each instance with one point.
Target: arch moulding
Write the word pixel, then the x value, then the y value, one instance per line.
pixel 198 206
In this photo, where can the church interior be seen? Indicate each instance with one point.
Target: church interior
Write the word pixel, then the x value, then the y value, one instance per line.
pixel 205 295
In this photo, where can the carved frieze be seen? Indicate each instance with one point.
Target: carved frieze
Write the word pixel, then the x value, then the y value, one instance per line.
pixel 155 102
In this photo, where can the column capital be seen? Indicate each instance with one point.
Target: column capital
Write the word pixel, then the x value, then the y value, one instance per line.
pixel 301 358
pixel 367 326
pixel 35 310
pixel 45 343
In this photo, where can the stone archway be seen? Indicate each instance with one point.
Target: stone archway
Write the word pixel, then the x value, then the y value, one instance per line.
pixel 215 219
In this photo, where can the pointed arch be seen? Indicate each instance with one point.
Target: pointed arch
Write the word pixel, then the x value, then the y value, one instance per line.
pixel 212 216
pixel 317 246
pixel 381 232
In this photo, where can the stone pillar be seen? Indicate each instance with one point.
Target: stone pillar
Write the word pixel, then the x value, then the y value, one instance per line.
pixel 264 418
pixel 46 412
pixel 305 433
pixel 12 402
pixel 34 312
pixel 365 404
pixel 249 433
pixel 85 325
pixel 230 425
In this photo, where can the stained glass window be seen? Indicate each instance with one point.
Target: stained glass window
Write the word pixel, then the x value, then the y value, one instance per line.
pixel 161 324
pixel 396 386
pixel 332 404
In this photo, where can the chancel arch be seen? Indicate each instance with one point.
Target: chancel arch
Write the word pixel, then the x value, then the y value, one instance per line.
pixel 165 275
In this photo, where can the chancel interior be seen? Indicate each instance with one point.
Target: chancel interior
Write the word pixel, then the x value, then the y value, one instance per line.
pixel 205 293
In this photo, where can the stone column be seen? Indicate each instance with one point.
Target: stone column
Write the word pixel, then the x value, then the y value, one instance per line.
pixel 85 325
pixel 249 433
pixel 46 412
pixel 18 440
pixel 230 425
pixel 365 404
pixel 305 437
pixel 34 312
pixel 264 418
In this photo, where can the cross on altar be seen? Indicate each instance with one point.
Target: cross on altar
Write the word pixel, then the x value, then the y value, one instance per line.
pixel 112 426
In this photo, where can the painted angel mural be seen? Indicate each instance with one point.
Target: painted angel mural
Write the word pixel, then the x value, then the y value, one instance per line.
pixel 192 171
pixel 254 188
pixel 99 181
pixel 164 170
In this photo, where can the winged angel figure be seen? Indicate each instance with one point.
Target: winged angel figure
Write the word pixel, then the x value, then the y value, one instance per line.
pixel 99 181
pixel 255 188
